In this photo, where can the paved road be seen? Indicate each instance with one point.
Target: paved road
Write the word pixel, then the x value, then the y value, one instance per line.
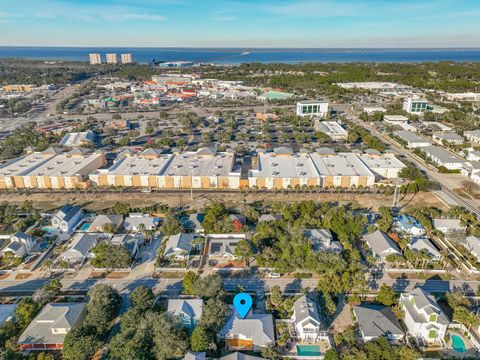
pixel 259 285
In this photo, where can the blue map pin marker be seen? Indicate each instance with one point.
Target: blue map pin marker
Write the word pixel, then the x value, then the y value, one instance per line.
pixel 242 303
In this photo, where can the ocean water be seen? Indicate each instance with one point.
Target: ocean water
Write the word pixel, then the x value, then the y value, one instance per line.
pixel 237 56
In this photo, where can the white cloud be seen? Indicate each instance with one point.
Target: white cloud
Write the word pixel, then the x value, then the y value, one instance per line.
pixel 127 17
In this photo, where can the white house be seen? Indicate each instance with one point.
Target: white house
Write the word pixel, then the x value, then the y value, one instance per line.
pixel 409 225
pixel 79 249
pixel 322 240
pixel 307 322
pixel 222 247
pixel 179 246
pixel 255 332
pixel 473 244
pixel 67 218
pixel 134 222
pixel 377 320
pixel 20 244
pixel 424 319
pixel 381 245
pixel 447 226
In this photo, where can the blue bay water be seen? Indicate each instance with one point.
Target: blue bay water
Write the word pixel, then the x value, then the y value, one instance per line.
pixel 237 56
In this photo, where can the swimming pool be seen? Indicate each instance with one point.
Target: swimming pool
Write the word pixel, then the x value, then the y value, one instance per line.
pixel 43 246
pixel 84 227
pixel 49 229
pixel 457 344
pixel 308 350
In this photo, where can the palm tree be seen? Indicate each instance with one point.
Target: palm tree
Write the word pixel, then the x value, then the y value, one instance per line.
pixel 48 264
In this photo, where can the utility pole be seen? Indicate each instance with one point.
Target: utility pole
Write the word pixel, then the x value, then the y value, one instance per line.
pixel 394 204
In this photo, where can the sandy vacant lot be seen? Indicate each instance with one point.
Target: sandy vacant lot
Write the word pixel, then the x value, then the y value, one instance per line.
pixel 97 201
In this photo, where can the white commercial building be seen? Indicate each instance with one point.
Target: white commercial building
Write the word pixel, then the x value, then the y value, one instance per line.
pixel 385 166
pixel 441 157
pixel 448 138
pixel 413 140
pixel 414 105
pixel 473 135
pixel 312 108
pixel 332 129
pixel 374 109
pixel 395 119
pixel 468 96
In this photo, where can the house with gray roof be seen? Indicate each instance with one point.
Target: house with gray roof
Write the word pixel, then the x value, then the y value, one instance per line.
pixel 424 318
pixel 253 333
pixel 424 244
pixel 189 310
pixel 79 249
pixel 48 329
pixel 269 217
pixel 179 246
pixel 377 320
pixel 134 222
pixel 322 240
pixel 67 218
pixel 100 221
pixel 190 355
pixel 381 245
pixel 221 247
pixel 447 226
pixel 306 318
pixel 472 243
pixel 7 311
pixel 240 356
pixel 20 244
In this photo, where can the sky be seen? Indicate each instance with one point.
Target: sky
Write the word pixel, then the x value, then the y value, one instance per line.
pixel 241 23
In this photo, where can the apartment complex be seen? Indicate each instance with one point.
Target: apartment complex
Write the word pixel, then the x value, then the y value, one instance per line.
pixel 283 169
pixel 95 59
pixel 126 58
pixel 202 169
pixel 50 169
pixel 112 58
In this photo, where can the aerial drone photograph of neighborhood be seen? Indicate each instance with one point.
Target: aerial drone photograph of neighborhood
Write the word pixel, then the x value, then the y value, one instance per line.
pixel 239 180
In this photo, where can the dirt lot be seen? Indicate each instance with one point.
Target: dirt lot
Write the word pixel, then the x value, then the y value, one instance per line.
pixel 98 201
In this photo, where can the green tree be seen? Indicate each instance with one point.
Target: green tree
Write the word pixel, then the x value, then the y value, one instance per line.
pixel 80 344
pixel 214 314
pixel 102 308
pixel 171 226
pixel 331 354
pixel 387 295
pixel 188 282
pixel 25 311
pixel 244 250
pixel 110 256
pixel 271 352
pixel 201 339
pixel 142 298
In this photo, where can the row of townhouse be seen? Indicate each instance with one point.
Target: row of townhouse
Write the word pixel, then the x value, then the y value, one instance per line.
pixel 202 169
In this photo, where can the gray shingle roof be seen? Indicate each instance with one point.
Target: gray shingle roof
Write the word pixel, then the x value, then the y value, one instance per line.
pixel 306 311
pixel 179 241
pixel 240 356
pixel 377 320
pixel 52 316
pixel 380 242
pixel 191 308
pixel 258 326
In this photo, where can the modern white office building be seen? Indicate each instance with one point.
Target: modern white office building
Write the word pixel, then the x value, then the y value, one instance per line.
pixel 414 105
pixel 312 108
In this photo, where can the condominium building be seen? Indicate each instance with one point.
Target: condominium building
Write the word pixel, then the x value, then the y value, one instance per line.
pixel 441 157
pixel 202 169
pixel 126 58
pixel 95 59
pixel 50 169
pixel 283 169
pixel 412 140
pixel 312 108
pixel 414 105
pixel 448 138
pixel 112 58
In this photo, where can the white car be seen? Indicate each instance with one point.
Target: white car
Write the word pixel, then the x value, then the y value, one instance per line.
pixel 274 275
